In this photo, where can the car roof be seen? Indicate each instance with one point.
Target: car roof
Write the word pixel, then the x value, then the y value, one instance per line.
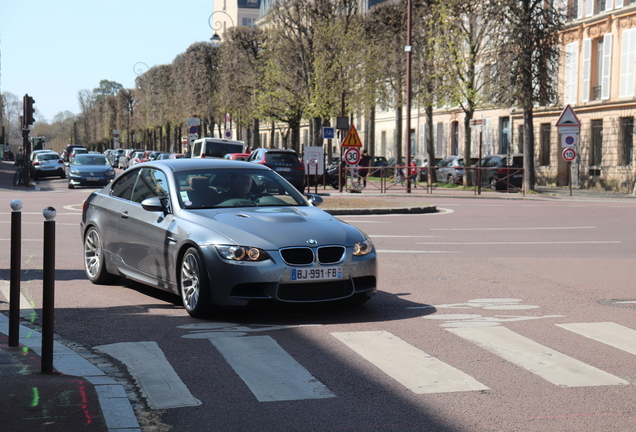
pixel 186 164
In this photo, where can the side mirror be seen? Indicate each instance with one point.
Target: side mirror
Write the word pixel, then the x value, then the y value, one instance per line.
pixel 153 204
pixel 314 200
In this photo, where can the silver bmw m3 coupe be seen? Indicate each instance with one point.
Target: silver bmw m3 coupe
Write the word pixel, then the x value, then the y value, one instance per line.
pixel 223 233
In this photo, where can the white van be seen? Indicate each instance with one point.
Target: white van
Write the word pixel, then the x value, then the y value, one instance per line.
pixel 215 147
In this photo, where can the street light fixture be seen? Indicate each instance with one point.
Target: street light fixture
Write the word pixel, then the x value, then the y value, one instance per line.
pixel 138 69
pixel 215 40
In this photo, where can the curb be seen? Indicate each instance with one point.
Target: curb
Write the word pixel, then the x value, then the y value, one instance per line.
pixel 382 210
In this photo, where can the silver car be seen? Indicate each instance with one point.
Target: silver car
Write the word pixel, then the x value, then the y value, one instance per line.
pixel 223 233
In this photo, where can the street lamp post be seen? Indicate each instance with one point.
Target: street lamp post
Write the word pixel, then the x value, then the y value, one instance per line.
pixel 137 68
pixel 215 40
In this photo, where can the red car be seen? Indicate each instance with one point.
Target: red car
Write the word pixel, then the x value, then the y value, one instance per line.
pixel 236 156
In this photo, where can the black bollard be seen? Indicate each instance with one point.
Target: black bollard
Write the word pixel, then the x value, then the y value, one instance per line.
pixel 14 287
pixel 48 285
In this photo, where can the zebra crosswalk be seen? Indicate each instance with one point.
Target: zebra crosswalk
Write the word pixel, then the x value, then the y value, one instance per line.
pixel 272 374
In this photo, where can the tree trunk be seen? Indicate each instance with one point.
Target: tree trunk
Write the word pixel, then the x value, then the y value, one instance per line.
pixel 430 146
pixel 528 150
pixel 256 142
pixel 468 174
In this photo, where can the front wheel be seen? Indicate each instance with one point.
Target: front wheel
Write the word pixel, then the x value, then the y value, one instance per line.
pixel 94 258
pixel 195 285
pixel 17 178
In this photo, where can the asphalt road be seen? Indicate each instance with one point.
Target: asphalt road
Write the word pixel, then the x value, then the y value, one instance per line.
pixel 492 315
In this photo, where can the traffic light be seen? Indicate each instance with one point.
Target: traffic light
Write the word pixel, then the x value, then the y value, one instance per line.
pixel 27 106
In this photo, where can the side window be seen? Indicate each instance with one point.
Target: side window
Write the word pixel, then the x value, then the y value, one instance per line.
pixel 196 149
pixel 150 183
pixel 124 186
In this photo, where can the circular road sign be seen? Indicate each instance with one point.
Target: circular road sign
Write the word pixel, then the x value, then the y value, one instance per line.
pixel 352 155
pixel 569 154
pixel 193 129
pixel 228 133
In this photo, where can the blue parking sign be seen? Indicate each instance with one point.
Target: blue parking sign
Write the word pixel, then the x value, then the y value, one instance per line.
pixel 328 133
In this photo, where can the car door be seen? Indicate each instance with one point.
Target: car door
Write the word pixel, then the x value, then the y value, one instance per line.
pixel 149 237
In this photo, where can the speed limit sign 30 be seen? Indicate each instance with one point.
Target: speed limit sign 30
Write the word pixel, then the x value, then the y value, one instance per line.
pixel 569 154
pixel 352 155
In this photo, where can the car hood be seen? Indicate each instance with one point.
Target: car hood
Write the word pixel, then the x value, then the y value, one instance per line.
pixel 276 227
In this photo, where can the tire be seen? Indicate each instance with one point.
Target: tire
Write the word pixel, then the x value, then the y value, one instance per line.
pixel 71 186
pixel 63 175
pixel 94 258
pixel 450 179
pixel 194 285
pixel 17 178
pixel 493 184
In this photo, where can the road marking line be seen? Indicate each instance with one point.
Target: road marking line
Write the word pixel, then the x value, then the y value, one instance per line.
pixel 411 367
pixel 609 333
pixel 269 372
pixel 26 310
pixel 412 251
pixel 511 229
pixel 521 243
pixel 158 380
pixel 550 365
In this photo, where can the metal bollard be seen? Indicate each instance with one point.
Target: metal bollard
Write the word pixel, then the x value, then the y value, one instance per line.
pixel 48 285
pixel 14 287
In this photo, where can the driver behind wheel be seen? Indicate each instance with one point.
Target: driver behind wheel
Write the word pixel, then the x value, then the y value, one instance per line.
pixel 240 185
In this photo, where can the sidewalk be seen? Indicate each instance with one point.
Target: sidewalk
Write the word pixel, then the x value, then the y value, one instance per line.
pixel 78 396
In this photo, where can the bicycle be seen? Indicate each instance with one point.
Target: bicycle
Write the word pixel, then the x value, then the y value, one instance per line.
pixel 18 177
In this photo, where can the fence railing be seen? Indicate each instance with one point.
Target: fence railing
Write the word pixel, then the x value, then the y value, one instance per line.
pixel 388 179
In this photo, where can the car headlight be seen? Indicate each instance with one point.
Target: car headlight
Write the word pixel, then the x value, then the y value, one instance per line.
pixel 362 248
pixel 242 253
pixel 74 171
pixel 111 172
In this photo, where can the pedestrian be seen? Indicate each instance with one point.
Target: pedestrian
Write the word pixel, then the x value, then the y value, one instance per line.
pixel 413 173
pixel 400 175
pixel 19 159
pixel 363 165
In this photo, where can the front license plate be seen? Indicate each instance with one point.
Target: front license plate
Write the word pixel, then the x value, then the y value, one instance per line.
pixel 92 178
pixel 317 273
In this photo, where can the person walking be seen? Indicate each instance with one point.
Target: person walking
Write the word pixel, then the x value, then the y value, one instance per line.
pixel 363 165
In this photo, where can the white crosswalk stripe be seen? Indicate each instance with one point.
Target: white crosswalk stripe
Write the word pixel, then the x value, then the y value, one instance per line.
pixel 411 367
pixel 551 365
pixel 158 380
pixel 609 333
pixel 269 372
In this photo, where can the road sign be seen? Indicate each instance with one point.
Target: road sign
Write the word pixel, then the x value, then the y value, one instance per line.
pixel 193 129
pixel 228 134
pixel 569 129
pixel 569 140
pixel 328 132
pixel 193 122
pixel 568 118
pixel 476 122
pixel 352 155
pixel 352 139
pixel 569 154
pixel 313 159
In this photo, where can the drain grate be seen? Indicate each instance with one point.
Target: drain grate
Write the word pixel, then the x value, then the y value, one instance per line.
pixel 630 304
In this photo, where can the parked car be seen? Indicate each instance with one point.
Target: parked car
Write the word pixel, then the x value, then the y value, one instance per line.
pixel 90 170
pixel 215 147
pixel 176 156
pixel 422 163
pixel 182 235
pixel 135 158
pixel 75 152
pixel 378 162
pixel 47 164
pixel 145 156
pixel 451 169
pixel 237 156
pixel 124 160
pixel 34 153
pixel 284 161
pixel 155 155
pixel 67 152
pixel 498 174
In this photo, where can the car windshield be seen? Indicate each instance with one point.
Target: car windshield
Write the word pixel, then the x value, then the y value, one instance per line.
pixel 282 157
pixel 90 160
pixel 210 188
pixel 48 156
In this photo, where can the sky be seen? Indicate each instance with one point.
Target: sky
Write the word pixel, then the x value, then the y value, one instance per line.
pixel 52 49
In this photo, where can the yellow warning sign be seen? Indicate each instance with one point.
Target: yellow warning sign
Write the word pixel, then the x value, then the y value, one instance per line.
pixel 352 139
